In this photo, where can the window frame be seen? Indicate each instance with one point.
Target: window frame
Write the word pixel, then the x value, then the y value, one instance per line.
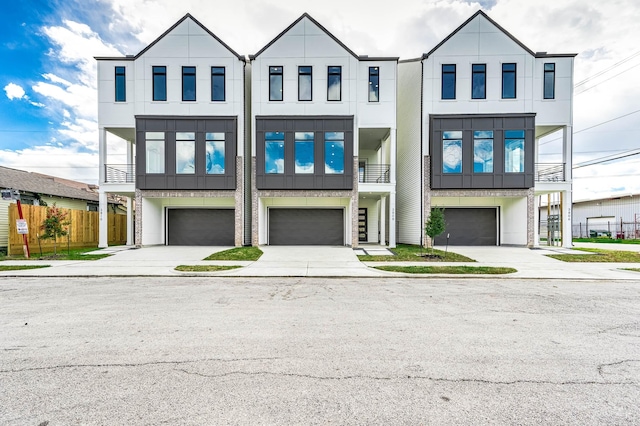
pixel 159 71
pixel 374 72
pixel 339 74
pixel 224 83
pixel 301 138
pixel 552 74
pixel 272 73
pixel 515 79
pixel 213 139
pixel 151 136
pixel 446 72
pixel 509 138
pixel 120 83
pixel 480 136
pixel 451 138
pixel 185 76
pixel 483 73
pixel 302 74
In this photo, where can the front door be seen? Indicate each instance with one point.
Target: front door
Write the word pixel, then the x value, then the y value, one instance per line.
pixel 362 225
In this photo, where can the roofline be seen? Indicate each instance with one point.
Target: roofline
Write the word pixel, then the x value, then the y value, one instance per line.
pixel 304 15
pixel 403 61
pixel 149 46
pixel 365 58
pixel 507 33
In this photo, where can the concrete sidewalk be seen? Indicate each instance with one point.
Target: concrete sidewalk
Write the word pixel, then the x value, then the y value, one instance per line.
pixel 322 261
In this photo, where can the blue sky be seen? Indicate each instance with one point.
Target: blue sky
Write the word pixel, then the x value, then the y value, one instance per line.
pixel 48 101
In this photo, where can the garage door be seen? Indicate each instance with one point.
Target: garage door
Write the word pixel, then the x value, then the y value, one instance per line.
pixel 201 227
pixel 306 227
pixel 470 227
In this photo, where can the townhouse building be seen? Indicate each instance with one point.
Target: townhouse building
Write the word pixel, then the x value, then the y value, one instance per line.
pixel 469 137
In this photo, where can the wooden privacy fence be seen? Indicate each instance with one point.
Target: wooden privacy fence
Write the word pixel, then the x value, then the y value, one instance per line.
pixel 83 229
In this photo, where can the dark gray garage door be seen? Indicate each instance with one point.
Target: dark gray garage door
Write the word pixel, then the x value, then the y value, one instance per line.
pixel 201 227
pixel 306 226
pixel 469 227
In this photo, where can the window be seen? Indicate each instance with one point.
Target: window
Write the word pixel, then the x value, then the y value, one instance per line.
pixel 483 151
pixel 549 81
pixel 334 83
pixel 478 81
pixel 274 152
pixel 508 81
pixel 374 84
pixel 185 153
pixel 275 83
pixel 159 83
pixel 217 84
pixel 514 151
pixel 304 84
pixel 121 92
pixel 154 146
pixel 188 83
pixel 452 152
pixel 448 81
pixel 334 152
pixel 214 146
pixel 304 152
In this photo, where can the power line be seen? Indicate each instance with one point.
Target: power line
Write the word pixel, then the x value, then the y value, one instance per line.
pixel 604 81
pixel 612 157
pixel 604 71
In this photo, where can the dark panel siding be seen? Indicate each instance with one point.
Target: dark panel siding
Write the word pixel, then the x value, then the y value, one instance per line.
pixel 306 227
pixel 470 227
pixel 200 227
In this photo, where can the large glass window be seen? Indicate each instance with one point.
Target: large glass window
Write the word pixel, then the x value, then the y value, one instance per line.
pixel 448 81
pixel 304 84
pixel 217 84
pixel 154 147
pixel 508 81
pixel 334 83
pixel 304 152
pixel 121 92
pixel 188 83
pixel 452 152
pixel 274 152
pixel 159 83
pixel 334 152
pixel 214 146
pixel 549 81
pixel 374 84
pixel 185 153
pixel 479 81
pixel 275 83
pixel 514 151
pixel 483 151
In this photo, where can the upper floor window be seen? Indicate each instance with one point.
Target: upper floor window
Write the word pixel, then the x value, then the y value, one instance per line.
pixel 334 83
pixel 508 81
pixel 549 81
pixel 154 150
pixel 217 84
pixel 374 84
pixel 304 84
pixel 448 81
pixel 274 152
pixel 188 83
pixel 483 151
pixel 275 83
pixel 303 151
pixel 514 151
pixel 334 152
pixel 478 81
pixel 159 83
pixel 121 88
pixel 185 153
pixel 452 152
pixel 215 153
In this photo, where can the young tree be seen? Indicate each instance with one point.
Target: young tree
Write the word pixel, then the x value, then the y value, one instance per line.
pixel 435 224
pixel 54 225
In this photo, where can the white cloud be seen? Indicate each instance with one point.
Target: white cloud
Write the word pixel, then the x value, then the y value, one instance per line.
pixel 14 91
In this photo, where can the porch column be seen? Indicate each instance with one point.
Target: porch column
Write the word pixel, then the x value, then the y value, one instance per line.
pixel 536 221
pixel 129 221
pixel 392 159
pixel 102 155
pixel 103 228
pixel 383 220
pixel 567 195
pixel 392 220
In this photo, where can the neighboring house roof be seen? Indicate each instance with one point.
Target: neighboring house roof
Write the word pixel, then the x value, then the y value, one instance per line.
pixel 46 185
pixel 518 42
pixel 316 23
pixel 188 15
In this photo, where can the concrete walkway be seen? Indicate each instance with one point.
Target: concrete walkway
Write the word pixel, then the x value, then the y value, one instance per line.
pixel 322 261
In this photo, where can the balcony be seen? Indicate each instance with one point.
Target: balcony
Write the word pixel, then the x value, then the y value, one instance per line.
pixel 119 173
pixel 550 172
pixel 374 173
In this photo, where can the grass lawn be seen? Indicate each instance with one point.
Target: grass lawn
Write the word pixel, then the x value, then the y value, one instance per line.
pixel 599 256
pixel 74 254
pixel 238 253
pixel 205 268
pixel 21 267
pixel 405 252
pixel 448 269
pixel 605 241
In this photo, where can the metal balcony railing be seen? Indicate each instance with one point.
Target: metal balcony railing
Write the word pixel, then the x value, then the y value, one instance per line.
pixel 374 173
pixel 550 172
pixel 119 173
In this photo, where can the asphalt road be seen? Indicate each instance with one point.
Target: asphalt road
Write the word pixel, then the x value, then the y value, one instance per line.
pixel 318 351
